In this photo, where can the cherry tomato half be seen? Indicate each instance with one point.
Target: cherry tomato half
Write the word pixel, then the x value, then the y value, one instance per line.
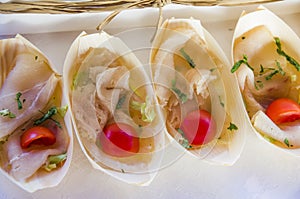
pixel 37 135
pixel 198 127
pixel 283 110
pixel 119 140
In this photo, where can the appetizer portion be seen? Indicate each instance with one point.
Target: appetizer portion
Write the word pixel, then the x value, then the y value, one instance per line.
pixel 194 86
pixel 35 145
pixel 266 60
pixel 115 115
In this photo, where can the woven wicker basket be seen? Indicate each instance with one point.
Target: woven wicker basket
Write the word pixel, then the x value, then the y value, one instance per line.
pixel 59 7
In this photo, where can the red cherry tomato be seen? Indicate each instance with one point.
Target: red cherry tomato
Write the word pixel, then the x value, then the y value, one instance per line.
pixel 119 140
pixel 37 135
pixel 283 110
pixel 198 127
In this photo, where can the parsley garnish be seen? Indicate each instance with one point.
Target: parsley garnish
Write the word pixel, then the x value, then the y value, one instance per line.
pixel 272 74
pixel 178 92
pixel 7 113
pixel 187 58
pixel 18 95
pixel 286 142
pixel 183 141
pixel 258 84
pixel 261 69
pixel 232 127
pixel 280 71
pixel 121 101
pixel 237 64
pixel 287 57
pixel 52 111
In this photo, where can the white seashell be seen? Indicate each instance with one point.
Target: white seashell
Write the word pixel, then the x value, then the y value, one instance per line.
pixel 221 88
pixel 254 36
pixel 110 61
pixel 25 69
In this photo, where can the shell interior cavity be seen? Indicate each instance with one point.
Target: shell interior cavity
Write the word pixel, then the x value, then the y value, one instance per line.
pixel 29 88
pixel 270 71
pixel 190 73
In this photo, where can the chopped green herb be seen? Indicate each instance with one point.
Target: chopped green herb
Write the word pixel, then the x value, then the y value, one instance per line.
pixel 237 65
pixel 7 113
pixel 287 57
pixel 52 111
pixel 261 69
pixel 18 95
pixel 272 74
pixel 181 95
pixel 258 85
pixel 281 71
pixel 121 102
pixel 184 142
pixel 187 58
pixel 36 57
pixel 286 142
pixel 232 127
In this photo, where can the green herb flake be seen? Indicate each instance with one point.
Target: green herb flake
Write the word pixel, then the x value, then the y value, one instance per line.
pixel 52 111
pixel 286 142
pixel 258 84
pixel 184 142
pixel 121 101
pixel 272 74
pixel 280 70
pixel 36 57
pixel 7 113
pixel 232 127
pixel 237 65
pixel 287 57
pixel 183 97
pixel 187 58
pixel 261 69
pixel 18 95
